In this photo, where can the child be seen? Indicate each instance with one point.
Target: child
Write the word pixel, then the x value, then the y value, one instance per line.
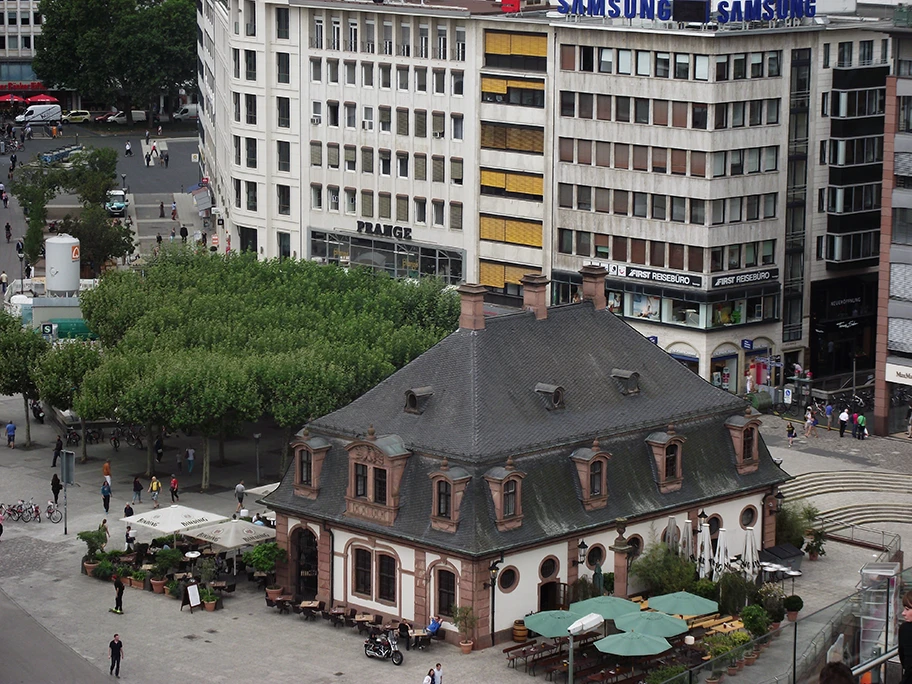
pixel 790 431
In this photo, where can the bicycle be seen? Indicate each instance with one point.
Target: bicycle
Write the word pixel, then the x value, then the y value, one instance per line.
pixel 72 437
pixel 134 437
pixel 10 512
pixel 116 434
pixel 25 512
pixel 94 435
pixel 53 513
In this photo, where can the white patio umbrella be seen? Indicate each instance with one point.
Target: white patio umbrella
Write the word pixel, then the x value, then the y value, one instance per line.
pixel 687 541
pixel 232 534
pixel 750 557
pixel 263 490
pixel 721 561
pixel 173 519
pixel 704 550
pixel 671 534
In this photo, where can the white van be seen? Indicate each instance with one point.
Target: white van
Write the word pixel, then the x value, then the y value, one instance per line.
pixel 189 112
pixel 139 116
pixel 40 114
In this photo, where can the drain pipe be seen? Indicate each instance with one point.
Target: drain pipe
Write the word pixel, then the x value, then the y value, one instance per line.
pixel 332 560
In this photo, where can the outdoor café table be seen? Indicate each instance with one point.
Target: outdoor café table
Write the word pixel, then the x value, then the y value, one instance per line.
pixel 283 603
pixel 536 652
pixel 182 575
pixel 192 555
pixel 218 585
pixel 727 627
pixel 147 566
pixel 337 611
pixel 422 637
pixel 310 605
pixel 363 617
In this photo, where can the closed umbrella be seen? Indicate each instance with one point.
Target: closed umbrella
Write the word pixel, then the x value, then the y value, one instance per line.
pixel 721 561
pixel 750 557
pixel 671 534
pixel 652 623
pixel 704 552
pixel 632 644
pixel 552 623
pixel 687 541
pixel 609 607
pixel 683 603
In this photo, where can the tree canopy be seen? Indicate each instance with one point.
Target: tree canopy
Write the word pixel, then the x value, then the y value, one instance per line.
pixel 205 341
pixel 21 351
pixel 125 50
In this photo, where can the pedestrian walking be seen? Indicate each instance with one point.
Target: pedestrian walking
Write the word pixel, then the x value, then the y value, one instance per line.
pixel 184 233
pixel 116 651
pixel 810 423
pixel 167 158
pixel 106 495
pixel 4 279
pixel 829 415
pixel 11 435
pixel 403 629
pixel 56 486
pixel 19 246
pixel 159 449
pixel 103 527
pixel 239 493
pixel 161 210
pixel 790 433
pixel 844 421
pixel 175 497
pixel 13 159
pixel 855 424
pixel 179 457
pixel 106 471
pixel 174 213
pixel 908 413
pixel 128 149
pixel 159 131
pixel 148 158
pixel 158 239
pixel 128 510
pixel 154 489
pixel 118 595
pixel 191 459
pixel 148 134
pixel 129 538
pixel 58 448
pixel 137 490
pixel 438 674
pixel 173 233
pixel 154 150
pixel 429 677
pixel 5 199
pixel 862 426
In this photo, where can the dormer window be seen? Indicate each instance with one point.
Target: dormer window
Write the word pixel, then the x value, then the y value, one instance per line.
pixel 444 498
pixel 667 451
pixel 360 481
pixel 306 468
pixel 591 465
pixel 628 380
pixel 509 498
pixel 309 454
pixel 744 430
pixel 505 484
pixel 449 488
pixel 375 472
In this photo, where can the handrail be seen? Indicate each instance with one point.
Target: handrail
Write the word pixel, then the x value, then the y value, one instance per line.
pixel 871 664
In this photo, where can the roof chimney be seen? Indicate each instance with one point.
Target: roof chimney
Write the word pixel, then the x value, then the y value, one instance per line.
pixel 594 285
pixel 471 306
pixel 534 299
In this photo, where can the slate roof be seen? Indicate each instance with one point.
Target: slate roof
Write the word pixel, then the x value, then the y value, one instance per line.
pixel 484 407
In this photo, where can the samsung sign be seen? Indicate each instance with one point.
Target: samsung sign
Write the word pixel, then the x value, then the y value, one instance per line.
pixel 727 11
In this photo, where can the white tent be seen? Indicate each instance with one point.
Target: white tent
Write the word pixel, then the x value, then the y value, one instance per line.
pixel 263 490
pixel 173 519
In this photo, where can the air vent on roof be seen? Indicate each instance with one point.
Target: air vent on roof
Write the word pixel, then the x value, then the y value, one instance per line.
pixel 553 395
pixel 629 380
pixel 416 399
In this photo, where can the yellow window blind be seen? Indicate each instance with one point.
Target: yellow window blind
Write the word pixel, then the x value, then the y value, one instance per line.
pixel 491 274
pixel 493 179
pixel 536 46
pixel 523 184
pixel 494 85
pixel 497 43
pixel 526 85
pixel 525 139
pixel 491 228
pixel 527 233
pixel 513 274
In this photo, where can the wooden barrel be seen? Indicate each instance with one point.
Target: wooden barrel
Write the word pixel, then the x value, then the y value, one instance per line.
pixel 520 632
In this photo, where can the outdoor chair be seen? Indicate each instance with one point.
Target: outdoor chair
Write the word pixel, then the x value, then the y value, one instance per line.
pixel 337 620
pixel 270 603
pixel 325 614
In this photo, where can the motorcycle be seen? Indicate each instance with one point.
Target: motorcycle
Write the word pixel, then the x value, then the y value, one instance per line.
pixel 37 411
pixel 384 646
pixel 72 437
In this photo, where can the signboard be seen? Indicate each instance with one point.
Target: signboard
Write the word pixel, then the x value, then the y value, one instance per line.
pixel 47 328
pixel 385 230
pixel 727 11
pixel 74 252
pixel 509 6
pixel 191 597
pixel 899 374
pixel 653 338
pixel 735 279
pixel 663 277
pixel 747 344
pixel 787 396
pixel 194 158
pixel 68 467
pixel 22 85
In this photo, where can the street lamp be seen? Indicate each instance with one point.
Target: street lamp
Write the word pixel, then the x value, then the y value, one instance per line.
pixel 123 177
pixel 21 272
pixel 256 440
pixel 581 553
pixel 774 502
pixel 493 570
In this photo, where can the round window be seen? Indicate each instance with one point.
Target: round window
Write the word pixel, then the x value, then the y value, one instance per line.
pixel 595 556
pixel 507 579
pixel 748 516
pixel 548 568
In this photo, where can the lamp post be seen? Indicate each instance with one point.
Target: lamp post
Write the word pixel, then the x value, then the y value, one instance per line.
pixel 123 177
pixel 256 441
pixel 581 549
pixel 581 626
pixel 21 271
pixel 493 570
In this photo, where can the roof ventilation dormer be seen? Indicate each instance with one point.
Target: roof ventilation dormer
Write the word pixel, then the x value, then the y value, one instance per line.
pixel 553 395
pixel 629 380
pixel 416 399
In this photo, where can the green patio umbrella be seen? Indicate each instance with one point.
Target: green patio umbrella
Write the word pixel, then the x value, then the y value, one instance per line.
pixel 552 623
pixel 609 607
pixel 683 603
pixel 651 623
pixel 632 644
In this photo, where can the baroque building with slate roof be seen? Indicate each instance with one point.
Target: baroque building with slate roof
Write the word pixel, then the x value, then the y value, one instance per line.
pixel 512 443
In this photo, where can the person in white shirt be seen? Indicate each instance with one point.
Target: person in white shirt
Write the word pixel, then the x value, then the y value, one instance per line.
pixel 438 675
pixel 843 421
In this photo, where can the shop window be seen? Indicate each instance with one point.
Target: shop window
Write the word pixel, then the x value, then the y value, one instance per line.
pixel 363 572
pixel 386 578
pixel 446 592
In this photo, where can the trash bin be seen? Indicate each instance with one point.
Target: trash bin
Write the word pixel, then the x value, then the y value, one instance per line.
pixel 2 147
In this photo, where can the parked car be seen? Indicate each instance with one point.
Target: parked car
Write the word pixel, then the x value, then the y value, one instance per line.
pixel 76 116
pixel 139 116
pixel 188 112
pixel 40 114
pixel 102 118
pixel 117 203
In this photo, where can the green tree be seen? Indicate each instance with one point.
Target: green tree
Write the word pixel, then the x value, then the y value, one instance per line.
pixel 117 49
pixel 21 349
pixel 663 570
pixel 60 375
pixel 90 175
pixel 100 237
pixel 35 186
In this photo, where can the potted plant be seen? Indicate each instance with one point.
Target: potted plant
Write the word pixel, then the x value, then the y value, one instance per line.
pixel 793 605
pixel 206 568
pixel 263 558
pixel 104 570
pixel 209 599
pixel 165 559
pixel 172 588
pixel 720 648
pixel 740 641
pixel 664 674
pixel 138 579
pixel 94 540
pixel 772 597
pixel 757 621
pixel 814 545
pixel 465 620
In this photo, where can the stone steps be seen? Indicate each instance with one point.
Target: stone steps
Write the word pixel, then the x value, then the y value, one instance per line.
pixel 814 484
pixel 865 513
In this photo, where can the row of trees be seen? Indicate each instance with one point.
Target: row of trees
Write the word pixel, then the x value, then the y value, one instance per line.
pixel 206 342
pixel 88 175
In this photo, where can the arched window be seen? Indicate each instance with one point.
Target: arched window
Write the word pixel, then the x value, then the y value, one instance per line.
pixel 671 461
pixel 595 478
pixel 509 498
pixel 446 592
pixel 444 497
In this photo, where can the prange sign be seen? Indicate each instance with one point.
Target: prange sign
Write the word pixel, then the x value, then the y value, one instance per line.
pixel 385 230
pixel 735 279
pixel 661 277
pixel 727 11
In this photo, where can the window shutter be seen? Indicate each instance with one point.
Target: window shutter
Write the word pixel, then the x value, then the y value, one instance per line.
pixel 316 154
pixel 332 156
pixel 491 274
pixel 420 124
pixel 527 233
pixel 367 159
pixel 349 153
pixel 386 202
pixel 491 228
pixel 438 170
pixel 493 179
pixel 496 86
pixel 367 203
pixel 402 208
pixel 437 123
pixel 386 115
pixel 456 171
pixel 421 167
pixel 513 274
pixel 402 123
pixel 497 43
pixel 455 216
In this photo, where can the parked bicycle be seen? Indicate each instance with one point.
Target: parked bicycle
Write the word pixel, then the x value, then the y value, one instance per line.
pixel 10 512
pixel 53 512
pixel 116 434
pixel 72 436
pixel 94 435
pixel 134 436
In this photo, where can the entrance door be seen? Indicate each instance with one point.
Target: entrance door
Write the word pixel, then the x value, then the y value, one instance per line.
pixel 307 564
pixel 553 596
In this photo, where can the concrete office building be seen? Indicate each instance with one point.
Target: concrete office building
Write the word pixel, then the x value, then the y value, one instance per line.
pixel 21 28
pixel 727 175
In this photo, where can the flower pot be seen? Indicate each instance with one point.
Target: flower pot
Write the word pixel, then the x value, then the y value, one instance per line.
pixel 740 663
pixel 713 678
pixel 466 646
pixel 158 586
pixel 273 594
pixel 750 659
pixel 209 605
pixel 774 628
pixel 90 568
pixel 732 670
pixel 813 555
pixel 792 615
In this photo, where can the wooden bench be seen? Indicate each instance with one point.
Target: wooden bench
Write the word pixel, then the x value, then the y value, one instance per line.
pixel 513 653
pixel 545 662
